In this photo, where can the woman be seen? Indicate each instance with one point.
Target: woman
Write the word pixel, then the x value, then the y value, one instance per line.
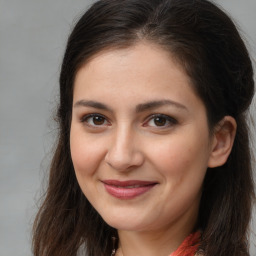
pixel 153 151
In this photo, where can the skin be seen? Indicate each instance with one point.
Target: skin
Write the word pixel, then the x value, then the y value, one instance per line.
pixel 126 142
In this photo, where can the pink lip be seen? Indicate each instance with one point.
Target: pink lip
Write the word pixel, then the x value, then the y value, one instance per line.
pixel 127 189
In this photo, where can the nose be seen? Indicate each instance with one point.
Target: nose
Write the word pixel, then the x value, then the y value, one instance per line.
pixel 124 152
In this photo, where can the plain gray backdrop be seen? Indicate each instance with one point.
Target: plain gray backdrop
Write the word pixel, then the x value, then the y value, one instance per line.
pixel 33 35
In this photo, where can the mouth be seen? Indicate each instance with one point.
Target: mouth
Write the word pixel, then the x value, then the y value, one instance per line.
pixel 128 189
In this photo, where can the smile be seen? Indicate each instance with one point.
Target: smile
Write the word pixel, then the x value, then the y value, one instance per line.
pixel 127 189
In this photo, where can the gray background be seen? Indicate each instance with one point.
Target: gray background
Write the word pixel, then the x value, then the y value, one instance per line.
pixel 33 35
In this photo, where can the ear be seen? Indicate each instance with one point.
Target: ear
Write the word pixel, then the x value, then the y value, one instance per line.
pixel 222 141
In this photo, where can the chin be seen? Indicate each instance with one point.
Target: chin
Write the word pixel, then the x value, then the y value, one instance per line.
pixel 128 223
pixel 122 222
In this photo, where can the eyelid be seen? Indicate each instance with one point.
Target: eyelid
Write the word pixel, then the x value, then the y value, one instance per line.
pixel 172 121
pixel 84 119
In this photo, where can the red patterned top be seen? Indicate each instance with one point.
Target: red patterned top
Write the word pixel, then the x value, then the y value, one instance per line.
pixel 189 246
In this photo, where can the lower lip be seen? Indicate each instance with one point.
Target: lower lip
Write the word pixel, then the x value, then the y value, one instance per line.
pixel 127 193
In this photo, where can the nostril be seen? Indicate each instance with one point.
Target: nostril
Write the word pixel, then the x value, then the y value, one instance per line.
pixel 124 161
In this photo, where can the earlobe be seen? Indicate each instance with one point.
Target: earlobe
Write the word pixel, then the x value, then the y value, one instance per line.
pixel 222 143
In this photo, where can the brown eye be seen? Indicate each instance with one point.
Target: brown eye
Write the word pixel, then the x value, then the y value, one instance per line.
pixel 160 121
pixel 94 120
pixel 98 120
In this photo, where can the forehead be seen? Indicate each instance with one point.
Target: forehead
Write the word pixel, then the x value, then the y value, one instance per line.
pixel 142 70
pixel 138 59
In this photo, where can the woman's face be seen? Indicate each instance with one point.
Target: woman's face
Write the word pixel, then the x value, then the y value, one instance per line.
pixel 140 142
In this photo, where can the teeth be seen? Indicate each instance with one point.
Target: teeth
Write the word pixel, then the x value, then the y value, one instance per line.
pixel 133 186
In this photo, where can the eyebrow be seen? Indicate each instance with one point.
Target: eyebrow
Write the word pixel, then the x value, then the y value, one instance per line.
pixel 139 108
pixel 92 104
pixel 158 103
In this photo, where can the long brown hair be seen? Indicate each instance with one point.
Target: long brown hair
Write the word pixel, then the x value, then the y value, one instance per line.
pixel 208 46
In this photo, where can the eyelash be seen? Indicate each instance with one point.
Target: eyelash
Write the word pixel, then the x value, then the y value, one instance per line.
pixel 170 120
pixel 167 119
pixel 85 119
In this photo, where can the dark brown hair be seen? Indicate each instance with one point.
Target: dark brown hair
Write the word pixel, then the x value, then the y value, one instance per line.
pixel 206 43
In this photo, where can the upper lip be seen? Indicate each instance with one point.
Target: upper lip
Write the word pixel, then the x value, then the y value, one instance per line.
pixel 127 183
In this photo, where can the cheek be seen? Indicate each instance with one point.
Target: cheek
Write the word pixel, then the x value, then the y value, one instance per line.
pixel 86 153
pixel 86 156
pixel 182 156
